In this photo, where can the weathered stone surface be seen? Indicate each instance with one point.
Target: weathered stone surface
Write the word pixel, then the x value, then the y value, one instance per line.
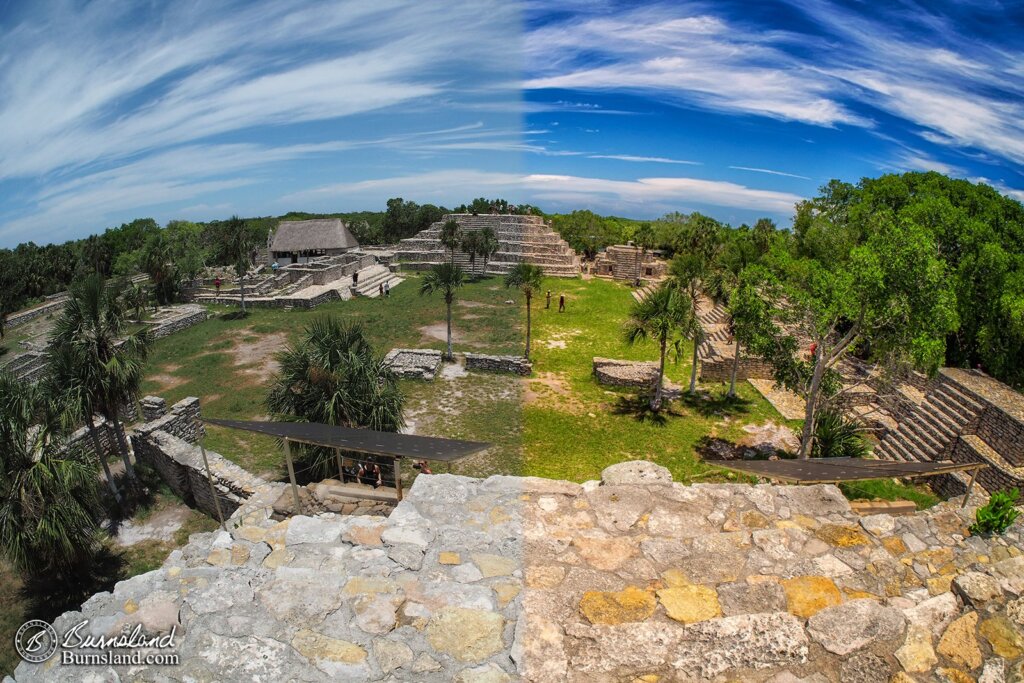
pixel 848 627
pixel 842 535
pixel 602 552
pixel 959 642
pixel 917 654
pixel 488 673
pixel 391 654
pixel 327 653
pixel 690 604
pixel 1010 574
pixel 630 604
pixel 751 598
pixel 494 565
pixel 313 530
pixel 636 472
pixel 934 614
pixel 976 588
pixel 864 667
pixel 468 635
pixel 878 525
pixel 1003 636
pixel 808 595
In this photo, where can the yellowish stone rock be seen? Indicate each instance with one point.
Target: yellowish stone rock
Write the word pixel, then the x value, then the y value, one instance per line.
pixel 690 604
pixel 956 676
pixel 806 522
pixel 499 516
pixel 468 635
pixel 506 592
pixel 369 585
pixel 895 545
pixel 852 594
pixel 365 535
pixel 842 535
pixel 606 554
pixel 313 645
pixel 494 565
pixel 130 607
pixel 755 520
pixel 939 584
pixel 900 677
pixel 239 555
pixel 253 534
pixel 544 576
pixel 277 558
pixel 447 557
pixel 916 654
pixel 808 595
pixel 219 557
pixel 631 604
pixel 959 642
pixel 1003 636
pixel 581 504
pixel 787 524
pixel 173 572
pixel 647 678
pixel 674 578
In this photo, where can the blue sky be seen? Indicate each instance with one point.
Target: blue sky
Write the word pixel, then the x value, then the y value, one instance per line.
pixel 111 110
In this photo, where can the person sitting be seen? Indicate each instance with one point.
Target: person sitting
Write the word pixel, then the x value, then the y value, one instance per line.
pixel 422 467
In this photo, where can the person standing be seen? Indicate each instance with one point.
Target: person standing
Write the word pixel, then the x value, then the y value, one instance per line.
pixel 380 288
pixel 561 303
pixel 387 290
pixel 547 304
pixel 216 283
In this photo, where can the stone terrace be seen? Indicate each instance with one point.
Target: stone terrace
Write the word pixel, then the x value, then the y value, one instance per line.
pixel 631 578
pixel 520 238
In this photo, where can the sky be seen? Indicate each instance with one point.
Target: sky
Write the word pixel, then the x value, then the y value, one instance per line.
pixel 111 111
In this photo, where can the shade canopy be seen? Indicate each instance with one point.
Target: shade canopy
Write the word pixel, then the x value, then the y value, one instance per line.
pixel 361 440
pixel 836 470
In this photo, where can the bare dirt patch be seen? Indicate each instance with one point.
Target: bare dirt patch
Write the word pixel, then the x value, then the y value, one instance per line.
pixel 439 332
pixel 473 304
pixel 561 339
pixel 257 357
pixel 167 382
pixel 552 390
pixel 159 526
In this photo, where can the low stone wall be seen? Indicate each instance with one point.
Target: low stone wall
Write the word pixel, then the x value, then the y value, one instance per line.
pixel 516 365
pixel 182 421
pixel 28 367
pixel 47 308
pixel 183 322
pixel 414 363
pixel 1004 433
pixel 625 373
pixel 720 369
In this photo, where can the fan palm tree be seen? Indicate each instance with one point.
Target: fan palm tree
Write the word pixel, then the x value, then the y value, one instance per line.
pixel 487 245
pixel 526 277
pixel 445 278
pixel 66 386
pixel 665 315
pixel 49 507
pixel 471 245
pixel 92 328
pixel 451 236
pixel 136 297
pixel 333 376
pixel 687 275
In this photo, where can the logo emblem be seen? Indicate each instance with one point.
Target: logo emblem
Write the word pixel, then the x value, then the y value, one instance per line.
pixel 35 641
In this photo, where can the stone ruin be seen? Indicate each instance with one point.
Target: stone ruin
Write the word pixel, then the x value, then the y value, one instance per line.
pixel 633 577
pixel 520 238
pixel 629 262
pixel 414 363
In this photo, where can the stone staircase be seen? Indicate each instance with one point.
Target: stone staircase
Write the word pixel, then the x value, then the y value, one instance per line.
pixel 370 280
pixel 520 239
pixel 930 426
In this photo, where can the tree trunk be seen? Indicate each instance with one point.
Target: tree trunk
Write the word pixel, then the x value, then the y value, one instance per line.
pixel 527 355
pixel 735 369
pixel 656 399
pixel 101 456
pixel 696 358
pixel 241 290
pixel 450 357
pixel 811 410
pixel 129 469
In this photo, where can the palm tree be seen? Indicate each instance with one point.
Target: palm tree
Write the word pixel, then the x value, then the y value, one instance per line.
pixel 664 315
pixel 238 243
pixel 487 244
pixel 445 278
pixel 526 277
pixel 471 245
pixel 92 327
pixel 49 507
pixel 688 272
pixel 333 376
pixel 66 385
pixel 451 236
pixel 136 297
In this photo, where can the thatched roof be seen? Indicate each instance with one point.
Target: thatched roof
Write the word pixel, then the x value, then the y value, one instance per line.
pixel 326 233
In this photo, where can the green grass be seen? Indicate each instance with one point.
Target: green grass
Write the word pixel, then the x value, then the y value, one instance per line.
pixel 579 428
pixel 888 489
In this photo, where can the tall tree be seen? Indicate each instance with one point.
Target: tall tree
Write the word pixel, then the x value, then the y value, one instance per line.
pixel 688 271
pixel 471 245
pixel 751 317
pixel 488 245
pixel 93 326
pixel 451 236
pixel 526 277
pixel 665 315
pixel 445 278
pixel 49 507
pixel 237 244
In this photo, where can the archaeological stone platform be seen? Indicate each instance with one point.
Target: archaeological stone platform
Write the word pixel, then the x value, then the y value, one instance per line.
pixel 520 239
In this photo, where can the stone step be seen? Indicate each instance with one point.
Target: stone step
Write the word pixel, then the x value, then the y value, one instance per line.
pixel 969 404
pixel 939 428
pixel 948 410
pixel 924 432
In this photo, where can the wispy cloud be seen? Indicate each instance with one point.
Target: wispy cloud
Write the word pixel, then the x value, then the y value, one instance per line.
pixel 769 172
pixel 642 159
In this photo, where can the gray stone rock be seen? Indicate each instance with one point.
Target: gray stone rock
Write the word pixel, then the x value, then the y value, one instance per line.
pixel 852 625
pixel 409 556
pixel 1010 574
pixel 313 530
pixel 975 588
pixel 488 673
pixel 934 614
pixel 391 654
pixel 751 598
pixel 864 667
pixel 878 525
pixel 636 472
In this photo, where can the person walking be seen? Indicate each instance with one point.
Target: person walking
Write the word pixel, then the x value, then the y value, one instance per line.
pixel 561 303
pixel 387 290
pixel 547 304
pixel 380 287
pixel 216 283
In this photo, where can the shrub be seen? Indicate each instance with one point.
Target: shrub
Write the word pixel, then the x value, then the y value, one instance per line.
pixel 998 514
pixel 837 437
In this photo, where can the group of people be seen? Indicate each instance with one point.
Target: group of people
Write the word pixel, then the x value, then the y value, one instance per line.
pixel 385 289
pixel 561 302
pixel 370 473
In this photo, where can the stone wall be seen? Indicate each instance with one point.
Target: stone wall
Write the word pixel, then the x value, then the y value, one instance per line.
pixel 517 365
pixel 625 373
pixel 53 305
pixel 719 369
pixel 414 363
pixel 192 315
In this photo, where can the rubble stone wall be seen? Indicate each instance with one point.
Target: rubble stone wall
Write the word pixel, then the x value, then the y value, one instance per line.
pixel 517 365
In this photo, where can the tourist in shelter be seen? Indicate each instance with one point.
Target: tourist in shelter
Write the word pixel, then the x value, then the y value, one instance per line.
pixel 561 303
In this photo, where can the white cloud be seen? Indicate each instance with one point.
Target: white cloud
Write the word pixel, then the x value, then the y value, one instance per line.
pixel 769 172
pixel 642 159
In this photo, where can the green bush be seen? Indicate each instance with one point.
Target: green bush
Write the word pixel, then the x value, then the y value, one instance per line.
pixel 998 514
pixel 837 437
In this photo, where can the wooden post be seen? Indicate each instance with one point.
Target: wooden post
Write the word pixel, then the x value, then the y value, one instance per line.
pixel 291 476
pixel 970 485
pixel 341 469
pixel 398 478
pixel 213 489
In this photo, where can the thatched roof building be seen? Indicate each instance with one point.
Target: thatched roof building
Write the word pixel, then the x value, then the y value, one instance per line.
pixel 298 241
